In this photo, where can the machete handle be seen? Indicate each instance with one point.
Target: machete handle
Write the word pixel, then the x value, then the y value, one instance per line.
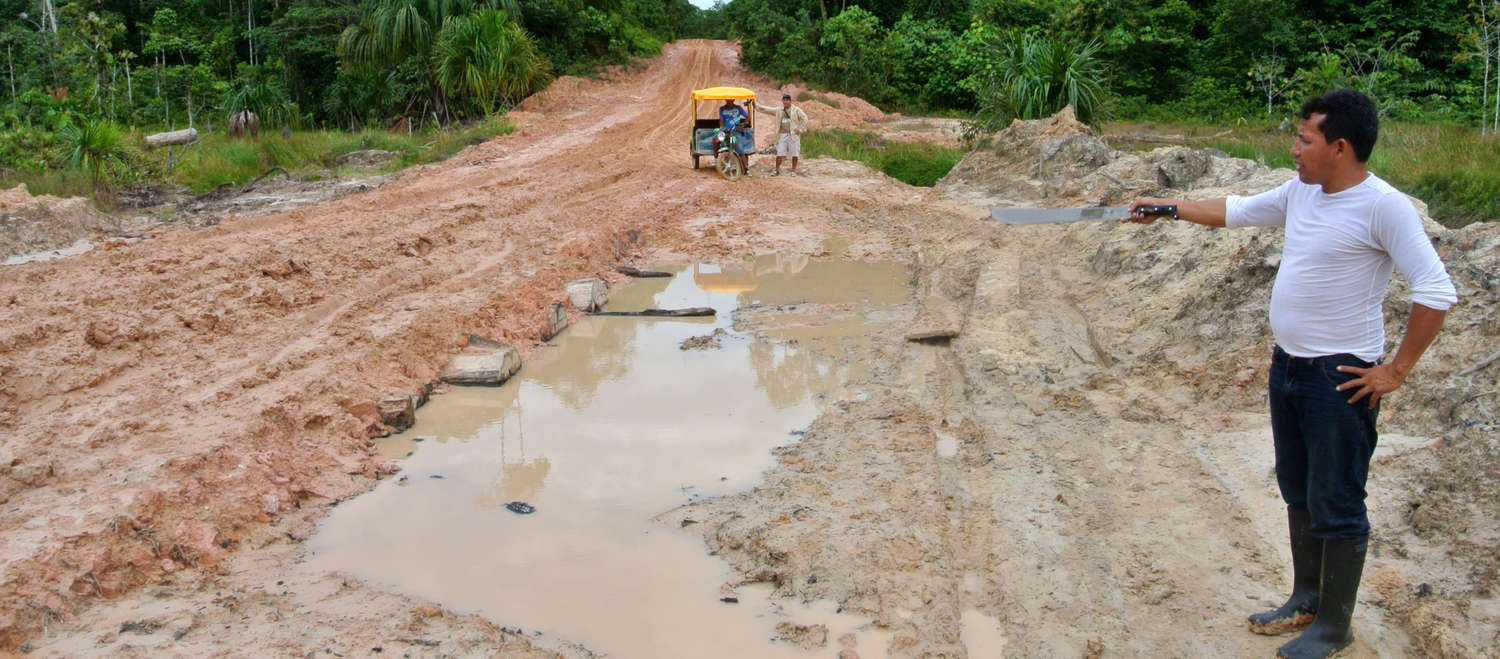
pixel 1163 209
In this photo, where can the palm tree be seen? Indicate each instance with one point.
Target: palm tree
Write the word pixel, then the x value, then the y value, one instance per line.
pixel 392 31
pixel 88 145
pixel 1036 76
pixel 489 57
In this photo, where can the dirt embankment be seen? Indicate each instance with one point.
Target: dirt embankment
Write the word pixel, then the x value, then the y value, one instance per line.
pixel 43 224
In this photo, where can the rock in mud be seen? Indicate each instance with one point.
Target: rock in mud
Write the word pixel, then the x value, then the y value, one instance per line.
pixel 398 412
pixel 587 294
pixel 704 342
pixel 1180 167
pixel 143 627
pixel 557 321
pixel 809 637
pixel 945 289
pixel 484 362
pixel 1069 155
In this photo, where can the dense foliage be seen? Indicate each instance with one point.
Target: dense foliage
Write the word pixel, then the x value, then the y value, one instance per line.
pixel 79 74
pixel 308 62
pixel 1207 59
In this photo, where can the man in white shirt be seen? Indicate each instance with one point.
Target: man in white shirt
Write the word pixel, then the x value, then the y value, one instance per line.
pixel 1345 230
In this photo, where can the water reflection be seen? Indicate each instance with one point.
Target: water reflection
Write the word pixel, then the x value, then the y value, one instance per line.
pixel 610 426
pixel 596 351
pixel 521 477
pixel 789 375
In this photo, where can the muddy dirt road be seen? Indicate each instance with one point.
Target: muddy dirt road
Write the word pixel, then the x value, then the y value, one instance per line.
pixel 1080 467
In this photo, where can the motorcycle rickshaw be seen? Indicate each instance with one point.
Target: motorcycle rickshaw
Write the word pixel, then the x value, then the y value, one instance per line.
pixel 705 130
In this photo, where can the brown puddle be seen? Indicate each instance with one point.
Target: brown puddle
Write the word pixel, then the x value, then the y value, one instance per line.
pixel 612 426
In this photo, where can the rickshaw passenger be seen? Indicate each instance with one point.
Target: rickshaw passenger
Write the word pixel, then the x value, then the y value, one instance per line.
pixel 745 145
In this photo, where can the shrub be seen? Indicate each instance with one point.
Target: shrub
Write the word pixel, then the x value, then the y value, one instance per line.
pixel 89 144
pixel 1037 76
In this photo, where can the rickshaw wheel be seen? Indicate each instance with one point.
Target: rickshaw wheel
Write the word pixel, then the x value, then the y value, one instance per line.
pixel 695 161
pixel 729 166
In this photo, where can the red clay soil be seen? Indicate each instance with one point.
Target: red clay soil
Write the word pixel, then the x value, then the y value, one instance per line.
pixel 162 403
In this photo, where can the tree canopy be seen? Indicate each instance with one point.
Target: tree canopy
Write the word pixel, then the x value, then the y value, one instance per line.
pixel 1210 59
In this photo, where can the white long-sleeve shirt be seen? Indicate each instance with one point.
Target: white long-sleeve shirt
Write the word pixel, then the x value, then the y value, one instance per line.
pixel 1336 262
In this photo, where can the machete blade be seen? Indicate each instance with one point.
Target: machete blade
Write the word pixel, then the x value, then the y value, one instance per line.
pixel 1051 215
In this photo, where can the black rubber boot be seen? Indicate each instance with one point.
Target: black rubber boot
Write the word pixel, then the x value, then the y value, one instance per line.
pixel 1331 632
pixel 1307 562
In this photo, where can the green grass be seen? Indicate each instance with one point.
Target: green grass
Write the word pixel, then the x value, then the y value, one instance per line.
pixel 219 160
pixel 910 162
pixel 55 182
pixel 1452 168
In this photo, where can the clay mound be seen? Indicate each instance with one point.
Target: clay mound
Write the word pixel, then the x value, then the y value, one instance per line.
pixel 852 111
pixel 30 224
pixel 1059 161
pixel 563 91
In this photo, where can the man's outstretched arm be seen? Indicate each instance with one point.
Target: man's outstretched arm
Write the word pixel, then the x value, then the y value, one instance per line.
pixel 1208 212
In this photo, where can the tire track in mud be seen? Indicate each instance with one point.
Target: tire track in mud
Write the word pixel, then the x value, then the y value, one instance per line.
pixel 217 367
pixel 1107 518
pixel 1078 496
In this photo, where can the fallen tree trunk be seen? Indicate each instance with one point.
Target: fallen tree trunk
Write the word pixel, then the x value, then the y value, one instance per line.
pixel 661 313
pixel 627 270
pixel 1482 363
pixel 173 138
pixel 1168 139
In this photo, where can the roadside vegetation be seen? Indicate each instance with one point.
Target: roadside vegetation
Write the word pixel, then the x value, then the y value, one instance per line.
pixel 114 160
pixel 84 81
pixel 226 160
pixel 909 162
pixel 1453 168
pixel 1433 68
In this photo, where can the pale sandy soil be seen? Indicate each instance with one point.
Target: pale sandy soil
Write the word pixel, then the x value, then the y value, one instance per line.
pixel 1084 465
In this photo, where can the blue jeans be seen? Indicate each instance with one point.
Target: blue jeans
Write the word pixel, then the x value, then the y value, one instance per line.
pixel 1323 443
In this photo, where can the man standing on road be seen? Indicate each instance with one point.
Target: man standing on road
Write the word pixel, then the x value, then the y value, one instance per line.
pixel 791 122
pixel 1345 229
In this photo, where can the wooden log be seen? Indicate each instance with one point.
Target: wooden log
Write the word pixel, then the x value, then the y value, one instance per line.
pixel 627 270
pixel 1168 139
pixel 661 313
pixel 176 137
pixel 1482 363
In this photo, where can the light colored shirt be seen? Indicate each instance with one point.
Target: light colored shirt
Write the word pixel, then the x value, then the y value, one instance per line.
pixel 1337 259
pixel 792 119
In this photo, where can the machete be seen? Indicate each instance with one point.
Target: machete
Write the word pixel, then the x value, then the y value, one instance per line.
pixel 1049 215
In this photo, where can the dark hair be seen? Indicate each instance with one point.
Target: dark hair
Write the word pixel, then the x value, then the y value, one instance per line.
pixel 786 96
pixel 1347 115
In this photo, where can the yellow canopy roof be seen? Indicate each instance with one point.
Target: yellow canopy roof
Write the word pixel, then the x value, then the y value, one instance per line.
pixel 722 93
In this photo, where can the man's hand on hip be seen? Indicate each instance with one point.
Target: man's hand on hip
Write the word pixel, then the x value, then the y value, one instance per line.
pixel 1374 382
